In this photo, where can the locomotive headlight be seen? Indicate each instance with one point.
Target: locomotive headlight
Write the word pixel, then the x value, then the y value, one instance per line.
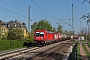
pixel 42 38
pixel 36 37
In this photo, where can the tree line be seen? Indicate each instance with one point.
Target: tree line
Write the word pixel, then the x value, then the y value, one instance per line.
pixel 17 34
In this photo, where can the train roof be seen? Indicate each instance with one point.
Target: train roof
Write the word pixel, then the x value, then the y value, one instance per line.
pixel 44 31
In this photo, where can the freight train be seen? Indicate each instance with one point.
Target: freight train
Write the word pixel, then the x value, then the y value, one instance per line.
pixel 44 37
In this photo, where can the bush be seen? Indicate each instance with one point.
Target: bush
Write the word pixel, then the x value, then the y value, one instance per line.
pixel 4 45
pixel 15 44
pixel 11 44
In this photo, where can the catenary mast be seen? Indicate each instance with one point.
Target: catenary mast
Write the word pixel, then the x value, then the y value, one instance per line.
pixel 29 19
pixel 72 19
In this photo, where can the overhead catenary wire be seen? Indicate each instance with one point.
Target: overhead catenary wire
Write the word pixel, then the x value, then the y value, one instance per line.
pixel 42 9
pixel 76 16
pixel 75 13
pixel 46 9
pixel 21 3
pixel 13 12
pixel 55 16
pixel 30 7
pixel 65 22
pixel 34 9
pixel 16 7
pixel 86 1
pixel 12 6
pixel 38 12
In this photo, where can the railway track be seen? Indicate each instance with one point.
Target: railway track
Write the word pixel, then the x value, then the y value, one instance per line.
pixel 35 54
pixel 30 53
pixel 54 53
pixel 15 53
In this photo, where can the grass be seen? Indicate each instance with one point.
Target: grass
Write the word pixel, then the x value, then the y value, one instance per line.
pixel 86 51
pixel 88 44
pixel 87 41
pixel 79 55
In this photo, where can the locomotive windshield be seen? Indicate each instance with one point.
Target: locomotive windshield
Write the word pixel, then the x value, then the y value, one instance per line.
pixel 39 34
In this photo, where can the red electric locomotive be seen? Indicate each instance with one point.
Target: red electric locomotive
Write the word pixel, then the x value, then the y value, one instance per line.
pixel 44 36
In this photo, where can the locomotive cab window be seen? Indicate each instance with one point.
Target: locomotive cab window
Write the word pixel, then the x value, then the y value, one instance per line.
pixel 39 34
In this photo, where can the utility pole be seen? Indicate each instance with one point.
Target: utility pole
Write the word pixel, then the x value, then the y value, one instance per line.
pixel 80 30
pixel 86 33
pixel 29 19
pixel 72 19
pixel 88 23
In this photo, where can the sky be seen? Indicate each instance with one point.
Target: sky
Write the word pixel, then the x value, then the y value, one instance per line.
pixel 51 10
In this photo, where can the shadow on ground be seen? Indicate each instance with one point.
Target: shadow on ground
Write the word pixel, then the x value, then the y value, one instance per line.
pixel 28 44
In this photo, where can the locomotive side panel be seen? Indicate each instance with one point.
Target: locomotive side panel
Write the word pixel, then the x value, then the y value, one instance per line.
pixel 50 36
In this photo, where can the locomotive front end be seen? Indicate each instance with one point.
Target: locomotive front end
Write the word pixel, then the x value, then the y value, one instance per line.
pixel 39 37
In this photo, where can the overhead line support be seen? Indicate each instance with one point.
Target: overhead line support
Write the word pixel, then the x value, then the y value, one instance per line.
pixel 72 19
pixel 29 19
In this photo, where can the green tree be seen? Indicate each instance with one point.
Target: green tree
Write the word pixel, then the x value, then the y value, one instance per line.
pixel 66 32
pixel 11 35
pixel 44 24
pixel 70 33
pixel 54 30
pixel 16 34
pixel 59 29
pixel 0 32
pixel 4 36
pixel 33 27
